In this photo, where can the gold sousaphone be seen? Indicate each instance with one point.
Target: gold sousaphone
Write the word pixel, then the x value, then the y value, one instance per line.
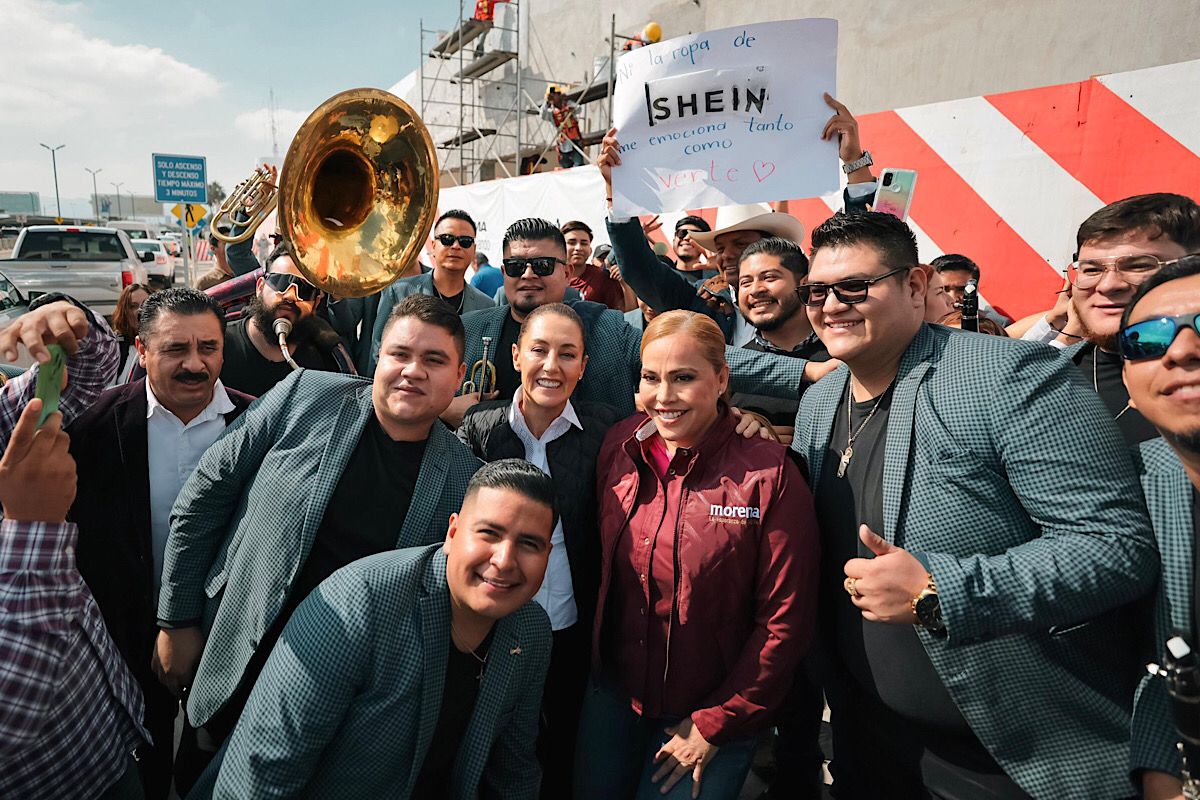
pixel 357 196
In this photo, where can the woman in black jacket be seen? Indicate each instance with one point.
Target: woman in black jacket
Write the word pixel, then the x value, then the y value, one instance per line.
pixel 541 425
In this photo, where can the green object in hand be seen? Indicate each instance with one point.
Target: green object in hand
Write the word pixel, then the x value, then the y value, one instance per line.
pixel 49 381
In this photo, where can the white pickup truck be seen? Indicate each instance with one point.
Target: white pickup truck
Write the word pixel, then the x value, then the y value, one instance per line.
pixel 92 265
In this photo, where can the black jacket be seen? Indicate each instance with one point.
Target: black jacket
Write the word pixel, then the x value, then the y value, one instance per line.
pixel 572 459
pixel 112 509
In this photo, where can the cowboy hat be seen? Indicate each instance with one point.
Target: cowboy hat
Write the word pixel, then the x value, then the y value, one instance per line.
pixel 752 217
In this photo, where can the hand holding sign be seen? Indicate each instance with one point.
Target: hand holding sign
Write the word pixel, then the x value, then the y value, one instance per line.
pixel 725 117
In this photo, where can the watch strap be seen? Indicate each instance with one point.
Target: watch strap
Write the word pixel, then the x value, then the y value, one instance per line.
pixel 864 160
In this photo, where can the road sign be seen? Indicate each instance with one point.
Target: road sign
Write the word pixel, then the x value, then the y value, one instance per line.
pixel 194 211
pixel 180 179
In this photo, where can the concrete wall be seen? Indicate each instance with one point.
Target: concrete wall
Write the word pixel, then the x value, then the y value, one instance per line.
pixel 896 53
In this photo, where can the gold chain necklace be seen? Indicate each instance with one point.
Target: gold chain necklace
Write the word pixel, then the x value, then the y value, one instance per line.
pixel 848 453
pixel 1096 381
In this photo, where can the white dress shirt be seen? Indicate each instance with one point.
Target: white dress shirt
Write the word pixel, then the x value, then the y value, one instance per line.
pixel 557 594
pixel 173 450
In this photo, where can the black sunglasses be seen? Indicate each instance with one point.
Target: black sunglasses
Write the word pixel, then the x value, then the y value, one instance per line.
pixel 1152 338
pixel 850 291
pixel 448 239
pixel 280 281
pixel 541 265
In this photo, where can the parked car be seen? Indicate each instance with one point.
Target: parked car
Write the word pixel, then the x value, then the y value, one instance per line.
pixel 92 265
pixel 160 271
pixel 12 305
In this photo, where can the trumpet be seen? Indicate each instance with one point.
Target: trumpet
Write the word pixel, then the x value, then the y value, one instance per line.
pixel 484 369
pixel 257 196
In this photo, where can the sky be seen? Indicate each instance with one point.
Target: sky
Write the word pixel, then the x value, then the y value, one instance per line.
pixel 118 80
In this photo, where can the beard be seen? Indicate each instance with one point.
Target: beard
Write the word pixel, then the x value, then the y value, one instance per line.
pixel 303 328
pixel 789 306
pixel 1185 440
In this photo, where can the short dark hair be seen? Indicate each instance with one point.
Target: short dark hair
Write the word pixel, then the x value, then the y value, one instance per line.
pixel 887 235
pixel 533 229
pixel 790 254
pixel 432 311
pixel 1185 267
pixel 176 300
pixel 562 310
pixel 516 475
pixel 692 219
pixel 1171 215
pixel 280 250
pixel 576 225
pixel 457 213
pixel 953 262
pixel 480 259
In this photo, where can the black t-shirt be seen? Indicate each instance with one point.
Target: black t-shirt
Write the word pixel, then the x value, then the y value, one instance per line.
pixel 364 517
pixel 455 301
pixel 507 378
pixel 463 675
pixel 246 370
pixel 885 666
pixel 1102 371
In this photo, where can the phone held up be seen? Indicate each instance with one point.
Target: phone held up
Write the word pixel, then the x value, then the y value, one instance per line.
pixel 895 193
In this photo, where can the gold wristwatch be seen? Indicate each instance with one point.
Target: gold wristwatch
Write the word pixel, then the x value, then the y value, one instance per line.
pixel 927 607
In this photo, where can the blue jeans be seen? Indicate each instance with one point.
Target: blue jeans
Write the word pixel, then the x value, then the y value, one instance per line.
pixel 614 758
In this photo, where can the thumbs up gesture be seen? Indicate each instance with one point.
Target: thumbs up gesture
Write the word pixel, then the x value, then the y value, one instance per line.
pixel 883 587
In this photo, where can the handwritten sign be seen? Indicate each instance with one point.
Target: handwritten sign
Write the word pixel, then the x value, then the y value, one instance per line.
pixel 726 117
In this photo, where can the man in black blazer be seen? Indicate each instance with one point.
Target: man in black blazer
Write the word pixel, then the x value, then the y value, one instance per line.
pixel 133 450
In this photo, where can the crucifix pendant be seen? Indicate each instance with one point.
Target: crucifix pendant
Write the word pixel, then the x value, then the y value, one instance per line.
pixel 847 454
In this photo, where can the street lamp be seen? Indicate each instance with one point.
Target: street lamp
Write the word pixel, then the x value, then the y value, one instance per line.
pixel 95 194
pixel 118 186
pixel 54 163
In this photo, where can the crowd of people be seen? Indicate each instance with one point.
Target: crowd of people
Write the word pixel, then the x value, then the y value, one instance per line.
pixel 610 524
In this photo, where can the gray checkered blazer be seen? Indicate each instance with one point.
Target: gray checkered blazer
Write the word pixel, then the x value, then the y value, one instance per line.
pixel 1005 475
pixel 615 358
pixel 247 518
pixel 1169 498
pixel 348 702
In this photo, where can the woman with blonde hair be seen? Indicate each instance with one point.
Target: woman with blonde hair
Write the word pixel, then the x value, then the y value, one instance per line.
pixel 708 582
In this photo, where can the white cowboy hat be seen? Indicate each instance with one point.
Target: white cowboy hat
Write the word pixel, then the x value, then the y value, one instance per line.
pixel 752 217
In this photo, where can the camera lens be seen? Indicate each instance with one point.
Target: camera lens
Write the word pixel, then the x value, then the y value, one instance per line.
pixel 887 179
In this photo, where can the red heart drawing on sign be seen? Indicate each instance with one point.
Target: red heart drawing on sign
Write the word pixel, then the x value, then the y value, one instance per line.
pixel 766 168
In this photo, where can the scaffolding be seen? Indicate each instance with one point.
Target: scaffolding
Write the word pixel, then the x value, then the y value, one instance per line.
pixel 470 83
pixel 476 99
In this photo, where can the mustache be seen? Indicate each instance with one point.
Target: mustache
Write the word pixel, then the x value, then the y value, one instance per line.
pixel 192 377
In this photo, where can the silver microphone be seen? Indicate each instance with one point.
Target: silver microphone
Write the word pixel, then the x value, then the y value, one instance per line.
pixel 282 327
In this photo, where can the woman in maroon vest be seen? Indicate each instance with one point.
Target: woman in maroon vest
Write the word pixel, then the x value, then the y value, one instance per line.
pixel 707 586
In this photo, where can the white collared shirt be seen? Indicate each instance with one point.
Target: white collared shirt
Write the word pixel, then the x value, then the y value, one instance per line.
pixel 173 450
pixel 557 594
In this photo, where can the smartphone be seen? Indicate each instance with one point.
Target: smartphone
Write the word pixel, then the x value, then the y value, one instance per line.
pixel 49 382
pixel 895 193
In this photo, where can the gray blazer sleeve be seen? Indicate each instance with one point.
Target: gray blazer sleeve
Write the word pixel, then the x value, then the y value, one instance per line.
pixel 204 510
pixel 1095 551
pixel 659 286
pixel 300 699
pixel 240 255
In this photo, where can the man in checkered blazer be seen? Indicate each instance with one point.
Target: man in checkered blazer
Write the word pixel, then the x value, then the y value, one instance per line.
pixel 1162 373
pixel 983 533
pixel 322 470
pixel 414 673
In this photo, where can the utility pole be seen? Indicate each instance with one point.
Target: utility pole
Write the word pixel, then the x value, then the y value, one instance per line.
pixel 118 186
pixel 274 132
pixel 54 163
pixel 95 194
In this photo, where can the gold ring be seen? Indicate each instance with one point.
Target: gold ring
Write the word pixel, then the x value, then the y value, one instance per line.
pixel 851 589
